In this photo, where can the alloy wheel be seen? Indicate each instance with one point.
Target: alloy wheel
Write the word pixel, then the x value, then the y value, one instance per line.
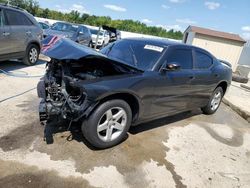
pixel 112 124
pixel 33 54
pixel 216 100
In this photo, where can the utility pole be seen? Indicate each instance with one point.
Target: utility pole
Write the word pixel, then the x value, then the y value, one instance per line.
pixel 97 37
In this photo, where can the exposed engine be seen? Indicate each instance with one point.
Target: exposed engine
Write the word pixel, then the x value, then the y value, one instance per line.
pixel 61 92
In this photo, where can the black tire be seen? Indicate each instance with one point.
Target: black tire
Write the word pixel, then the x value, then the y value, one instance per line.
pixel 208 109
pixel 238 78
pixel 28 60
pixel 90 44
pixel 89 126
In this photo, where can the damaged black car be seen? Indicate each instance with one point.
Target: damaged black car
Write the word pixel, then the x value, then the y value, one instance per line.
pixel 128 82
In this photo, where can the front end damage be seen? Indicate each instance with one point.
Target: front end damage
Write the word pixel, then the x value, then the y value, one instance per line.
pixel 61 97
pixel 63 88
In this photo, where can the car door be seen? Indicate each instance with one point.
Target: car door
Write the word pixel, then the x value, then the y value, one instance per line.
pixel 6 45
pixel 204 80
pixel 20 30
pixel 83 36
pixel 172 88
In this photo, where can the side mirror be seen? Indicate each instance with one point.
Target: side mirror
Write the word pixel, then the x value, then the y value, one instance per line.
pixel 171 67
pixel 81 33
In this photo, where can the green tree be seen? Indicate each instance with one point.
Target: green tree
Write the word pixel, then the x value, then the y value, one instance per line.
pixel 74 16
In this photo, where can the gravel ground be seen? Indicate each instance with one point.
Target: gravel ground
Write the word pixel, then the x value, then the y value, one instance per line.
pixel 186 150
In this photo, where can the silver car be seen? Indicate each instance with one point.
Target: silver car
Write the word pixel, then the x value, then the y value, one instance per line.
pixel 20 35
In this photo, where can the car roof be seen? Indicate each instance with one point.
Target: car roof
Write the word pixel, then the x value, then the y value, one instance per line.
pixel 63 22
pixel 15 8
pixel 164 43
pixel 154 41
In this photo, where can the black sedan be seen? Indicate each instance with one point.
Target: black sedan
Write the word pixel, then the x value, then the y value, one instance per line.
pixel 130 82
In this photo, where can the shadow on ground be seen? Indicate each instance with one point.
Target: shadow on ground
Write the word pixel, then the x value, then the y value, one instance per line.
pixel 76 133
pixel 15 65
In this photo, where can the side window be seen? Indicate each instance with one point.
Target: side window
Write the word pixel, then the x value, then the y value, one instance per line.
pixel 181 56
pixel 86 31
pixel 83 30
pixel 17 18
pixel 203 61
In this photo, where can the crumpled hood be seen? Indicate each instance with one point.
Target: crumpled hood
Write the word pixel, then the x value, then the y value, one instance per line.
pixel 65 49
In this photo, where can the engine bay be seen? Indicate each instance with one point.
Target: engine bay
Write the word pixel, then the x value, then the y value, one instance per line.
pixel 60 90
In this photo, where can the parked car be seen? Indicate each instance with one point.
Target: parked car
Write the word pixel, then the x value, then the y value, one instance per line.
pixel 20 35
pixel 77 33
pixel 114 34
pixel 103 38
pixel 130 82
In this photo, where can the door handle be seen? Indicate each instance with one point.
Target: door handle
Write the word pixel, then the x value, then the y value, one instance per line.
pixel 6 34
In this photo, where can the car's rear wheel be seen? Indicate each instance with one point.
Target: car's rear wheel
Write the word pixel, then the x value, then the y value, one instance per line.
pixel 31 55
pixel 108 124
pixel 214 101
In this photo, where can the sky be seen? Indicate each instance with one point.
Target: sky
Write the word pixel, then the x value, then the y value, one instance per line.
pixel 231 16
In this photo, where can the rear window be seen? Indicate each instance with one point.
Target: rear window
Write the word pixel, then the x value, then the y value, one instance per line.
pixel 17 18
pixel 95 32
pixel 203 61
pixel 183 57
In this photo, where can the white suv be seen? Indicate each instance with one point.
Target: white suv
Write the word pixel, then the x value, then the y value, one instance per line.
pixel 103 38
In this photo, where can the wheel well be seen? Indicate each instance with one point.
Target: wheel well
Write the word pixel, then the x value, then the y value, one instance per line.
pixel 223 85
pixel 129 98
pixel 35 43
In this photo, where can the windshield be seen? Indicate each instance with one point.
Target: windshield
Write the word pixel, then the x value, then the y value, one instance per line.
pixel 138 54
pixel 94 32
pixel 64 27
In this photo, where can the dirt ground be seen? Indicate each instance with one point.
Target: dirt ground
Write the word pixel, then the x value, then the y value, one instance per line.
pixel 186 150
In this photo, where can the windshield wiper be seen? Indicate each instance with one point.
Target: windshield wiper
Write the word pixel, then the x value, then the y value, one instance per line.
pixel 134 57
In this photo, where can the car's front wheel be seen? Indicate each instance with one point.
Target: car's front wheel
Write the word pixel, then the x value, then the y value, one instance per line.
pixel 214 101
pixel 31 55
pixel 108 124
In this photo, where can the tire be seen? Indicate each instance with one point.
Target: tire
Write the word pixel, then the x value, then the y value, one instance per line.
pixel 32 54
pixel 238 78
pixel 90 44
pixel 97 127
pixel 214 101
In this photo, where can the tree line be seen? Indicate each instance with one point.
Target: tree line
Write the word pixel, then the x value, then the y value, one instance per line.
pixel 74 16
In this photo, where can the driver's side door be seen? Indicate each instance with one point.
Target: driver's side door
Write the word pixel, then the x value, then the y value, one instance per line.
pixel 173 91
pixel 6 46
